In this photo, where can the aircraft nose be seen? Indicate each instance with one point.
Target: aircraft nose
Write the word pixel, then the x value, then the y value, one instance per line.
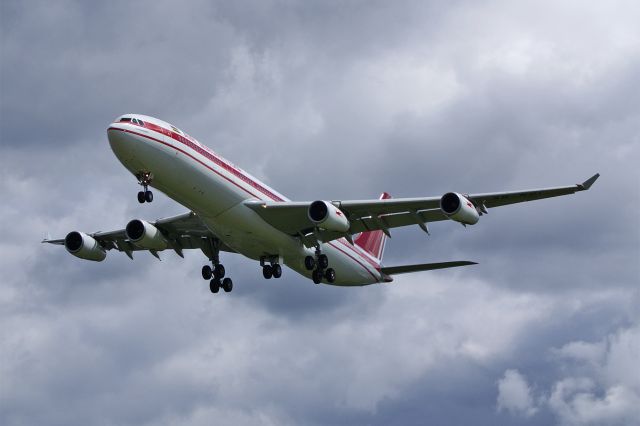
pixel 121 142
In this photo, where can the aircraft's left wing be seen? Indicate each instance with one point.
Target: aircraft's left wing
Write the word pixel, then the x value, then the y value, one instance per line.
pixel 384 214
pixel 184 231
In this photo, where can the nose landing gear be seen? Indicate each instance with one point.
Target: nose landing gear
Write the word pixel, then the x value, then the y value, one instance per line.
pixel 144 179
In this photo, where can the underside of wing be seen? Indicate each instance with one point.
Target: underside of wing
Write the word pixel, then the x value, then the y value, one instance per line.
pixel 178 233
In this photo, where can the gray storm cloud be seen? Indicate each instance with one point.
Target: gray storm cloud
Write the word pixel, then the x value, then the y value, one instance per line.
pixel 327 101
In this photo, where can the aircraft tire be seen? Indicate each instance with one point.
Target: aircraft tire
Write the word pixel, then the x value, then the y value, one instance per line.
pixel 206 272
pixel 227 285
pixel 330 275
pixel 317 276
pixel 148 196
pixel 141 197
pixel 323 261
pixel 309 263
pixel 219 271
pixel 276 270
pixel 267 272
pixel 214 285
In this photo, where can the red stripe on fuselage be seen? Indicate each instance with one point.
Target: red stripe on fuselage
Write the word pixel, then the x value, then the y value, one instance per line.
pixel 187 154
pixel 354 259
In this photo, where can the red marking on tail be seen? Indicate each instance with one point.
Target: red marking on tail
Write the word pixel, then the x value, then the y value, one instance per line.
pixel 373 241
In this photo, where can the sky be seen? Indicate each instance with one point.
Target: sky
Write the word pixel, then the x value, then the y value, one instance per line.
pixel 327 100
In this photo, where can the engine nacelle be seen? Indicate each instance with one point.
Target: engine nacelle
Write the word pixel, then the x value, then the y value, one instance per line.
pixel 459 208
pixel 145 235
pixel 327 216
pixel 84 246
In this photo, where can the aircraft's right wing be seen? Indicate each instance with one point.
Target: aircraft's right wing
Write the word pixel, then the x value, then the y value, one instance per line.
pixel 184 231
pixel 384 214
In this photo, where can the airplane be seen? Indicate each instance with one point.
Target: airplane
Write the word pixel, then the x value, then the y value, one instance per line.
pixel 332 242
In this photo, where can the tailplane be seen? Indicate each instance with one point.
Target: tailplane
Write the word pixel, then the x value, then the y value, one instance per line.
pixel 373 242
pixel 405 269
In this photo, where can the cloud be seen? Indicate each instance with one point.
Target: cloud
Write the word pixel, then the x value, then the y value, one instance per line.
pixel 326 101
pixel 608 390
pixel 514 395
pixel 601 384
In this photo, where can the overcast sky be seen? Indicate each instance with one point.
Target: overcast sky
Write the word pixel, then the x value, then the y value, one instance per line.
pixel 327 100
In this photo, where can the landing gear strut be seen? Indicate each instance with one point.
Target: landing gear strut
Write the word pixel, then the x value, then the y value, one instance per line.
pixel 144 179
pixel 216 272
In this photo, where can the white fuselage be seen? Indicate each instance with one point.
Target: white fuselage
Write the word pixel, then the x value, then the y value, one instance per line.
pixel 216 190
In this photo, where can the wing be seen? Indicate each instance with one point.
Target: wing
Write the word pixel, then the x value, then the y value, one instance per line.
pixel 185 231
pixel 370 215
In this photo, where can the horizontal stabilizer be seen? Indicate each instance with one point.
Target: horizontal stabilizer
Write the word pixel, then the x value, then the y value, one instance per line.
pixel 393 270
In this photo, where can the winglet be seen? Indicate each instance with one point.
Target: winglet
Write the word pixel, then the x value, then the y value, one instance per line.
pixel 587 183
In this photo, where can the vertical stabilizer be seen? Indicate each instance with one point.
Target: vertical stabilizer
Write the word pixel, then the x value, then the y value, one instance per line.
pixel 373 242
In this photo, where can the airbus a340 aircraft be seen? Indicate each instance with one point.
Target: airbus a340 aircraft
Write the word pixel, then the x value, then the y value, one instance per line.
pixel 335 242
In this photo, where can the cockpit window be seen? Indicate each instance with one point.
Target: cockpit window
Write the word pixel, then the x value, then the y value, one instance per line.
pixel 125 119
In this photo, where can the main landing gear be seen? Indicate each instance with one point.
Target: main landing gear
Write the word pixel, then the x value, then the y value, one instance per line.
pixel 144 179
pixel 216 273
pixel 271 269
pixel 320 267
pixel 216 276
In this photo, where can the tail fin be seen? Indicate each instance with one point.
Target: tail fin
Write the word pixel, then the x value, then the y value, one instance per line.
pixel 373 242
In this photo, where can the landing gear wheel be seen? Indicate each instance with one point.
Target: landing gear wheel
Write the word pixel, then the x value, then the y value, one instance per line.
pixel 148 196
pixel 227 285
pixel 323 261
pixel 317 276
pixel 214 285
pixel 309 263
pixel 219 271
pixel 267 271
pixel 276 270
pixel 206 272
pixel 141 197
pixel 330 275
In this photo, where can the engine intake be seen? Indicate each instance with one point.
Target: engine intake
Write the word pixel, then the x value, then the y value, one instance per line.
pixel 459 208
pixel 327 216
pixel 84 246
pixel 145 235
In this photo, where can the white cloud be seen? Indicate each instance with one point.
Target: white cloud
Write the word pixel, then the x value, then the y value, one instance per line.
pixel 608 389
pixel 577 401
pixel 514 395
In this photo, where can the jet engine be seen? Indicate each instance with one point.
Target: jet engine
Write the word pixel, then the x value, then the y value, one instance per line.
pixel 327 216
pixel 459 208
pixel 145 235
pixel 84 246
